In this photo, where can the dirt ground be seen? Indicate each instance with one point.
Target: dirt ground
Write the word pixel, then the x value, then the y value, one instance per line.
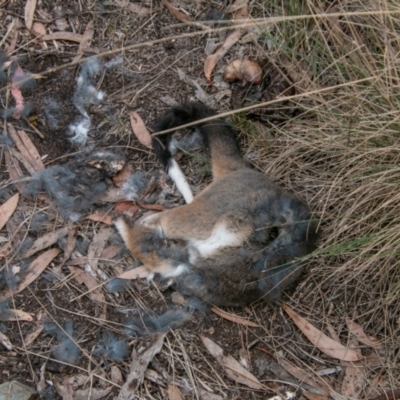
pixel 139 59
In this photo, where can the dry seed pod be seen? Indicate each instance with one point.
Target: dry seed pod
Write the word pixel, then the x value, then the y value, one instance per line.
pixel 243 70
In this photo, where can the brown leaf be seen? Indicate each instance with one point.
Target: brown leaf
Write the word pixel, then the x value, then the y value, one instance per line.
pixel 37 330
pixel 140 361
pixel 84 278
pixel 180 16
pixel 47 240
pixel 69 36
pixel 320 340
pixel 86 39
pixel 100 217
pixel 392 394
pixel 5 341
pixel 152 207
pixel 212 59
pixel 7 209
pixel 123 175
pixel 16 92
pixel 71 242
pixel 204 395
pixel 234 318
pixel 36 267
pixel 27 148
pixel 112 195
pixel 303 376
pixel 16 315
pixel 15 172
pixel 173 392
pixel 66 391
pixel 359 333
pixel 38 29
pixel 125 206
pixel 30 7
pixel 353 383
pixel 135 273
pixel 111 251
pixel 97 246
pixel 313 396
pixel 233 368
pixel 132 7
pixel 140 130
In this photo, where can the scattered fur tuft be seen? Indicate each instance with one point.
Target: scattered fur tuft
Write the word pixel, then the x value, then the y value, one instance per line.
pixel 112 348
pixel 66 350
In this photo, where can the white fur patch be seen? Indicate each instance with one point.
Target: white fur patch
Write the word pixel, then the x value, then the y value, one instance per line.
pixel 169 271
pixel 122 228
pixel 220 237
pixel 181 183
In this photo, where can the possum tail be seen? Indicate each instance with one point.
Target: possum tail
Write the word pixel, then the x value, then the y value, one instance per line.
pixel 217 134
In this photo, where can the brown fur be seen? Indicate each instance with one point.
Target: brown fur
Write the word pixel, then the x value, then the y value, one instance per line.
pixel 261 230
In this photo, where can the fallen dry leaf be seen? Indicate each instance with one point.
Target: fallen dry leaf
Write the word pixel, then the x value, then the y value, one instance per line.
pixel 96 247
pixel 5 341
pixel 84 278
pixel 111 251
pixel 67 392
pixel 353 383
pixel 392 394
pixel 204 395
pixel 140 360
pixel 125 206
pixel 212 59
pixel 36 267
pixel 19 74
pixel 30 7
pixel 100 217
pixel 16 315
pixel 238 4
pixel 152 207
pixel 14 171
pixel 69 36
pixel 320 340
pixel 86 40
pixel 234 318
pixel 302 375
pixel 37 329
pixel 140 130
pixel 180 16
pixel 47 240
pixel 7 209
pixel 173 392
pixel 38 29
pixel 359 333
pixel 71 242
pixel 27 148
pixel 313 396
pixel 135 273
pixel 132 7
pixel 233 368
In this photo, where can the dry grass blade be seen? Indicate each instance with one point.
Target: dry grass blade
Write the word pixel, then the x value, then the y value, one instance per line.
pixel 233 368
pixel 105 218
pixel 140 360
pixel 36 267
pixel 234 318
pixel 30 7
pixel 47 240
pixel 7 209
pixel 320 340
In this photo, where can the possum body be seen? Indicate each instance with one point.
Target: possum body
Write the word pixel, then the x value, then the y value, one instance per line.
pixel 241 239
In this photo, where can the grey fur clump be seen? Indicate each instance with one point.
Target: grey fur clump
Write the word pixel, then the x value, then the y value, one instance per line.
pixel 73 192
pixel 112 348
pixel 133 185
pixel 66 350
pixel 5 141
pixel 152 323
pixel 116 285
